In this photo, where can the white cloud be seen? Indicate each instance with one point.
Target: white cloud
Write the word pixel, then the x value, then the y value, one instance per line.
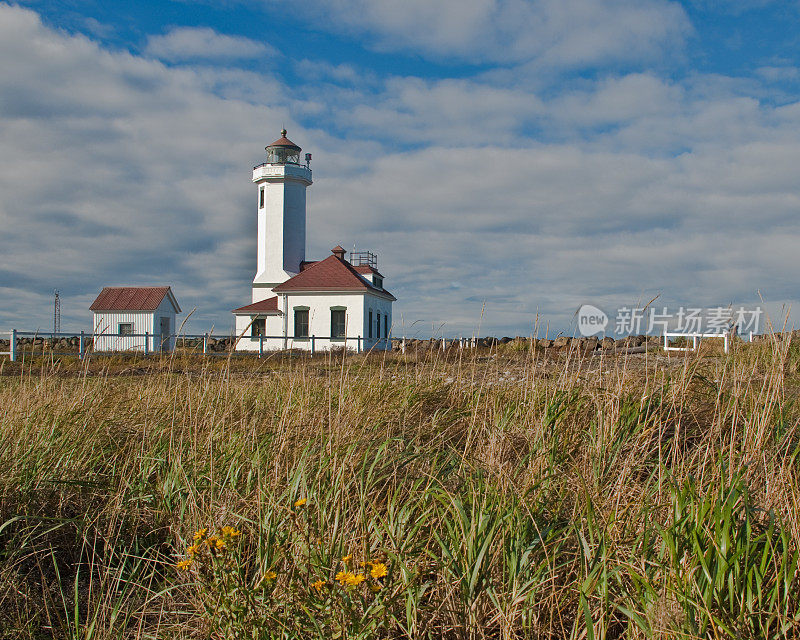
pixel 559 33
pixel 182 44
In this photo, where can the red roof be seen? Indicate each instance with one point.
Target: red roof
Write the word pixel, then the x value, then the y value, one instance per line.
pixel 268 307
pixel 133 299
pixel 283 141
pixel 330 274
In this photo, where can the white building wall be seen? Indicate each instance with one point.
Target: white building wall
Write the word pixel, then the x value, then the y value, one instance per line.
pixel 319 318
pixel 108 323
pixel 281 225
pixel 249 343
pixel 165 310
pixel 319 307
pixel 144 322
pixel 382 306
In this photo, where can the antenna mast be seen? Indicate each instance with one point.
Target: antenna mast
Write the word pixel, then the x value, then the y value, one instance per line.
pixel 56 314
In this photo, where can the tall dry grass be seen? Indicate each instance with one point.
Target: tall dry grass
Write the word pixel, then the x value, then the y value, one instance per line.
pixel 510 495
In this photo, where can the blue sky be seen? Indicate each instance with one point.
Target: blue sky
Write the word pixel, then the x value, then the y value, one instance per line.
pixel 525 155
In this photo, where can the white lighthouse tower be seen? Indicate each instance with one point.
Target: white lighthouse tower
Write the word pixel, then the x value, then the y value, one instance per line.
pixel 282 183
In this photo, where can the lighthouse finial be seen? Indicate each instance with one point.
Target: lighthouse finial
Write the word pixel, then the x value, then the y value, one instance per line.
pixel 283 132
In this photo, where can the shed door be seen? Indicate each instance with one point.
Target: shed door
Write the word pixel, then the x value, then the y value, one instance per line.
pixel 165 331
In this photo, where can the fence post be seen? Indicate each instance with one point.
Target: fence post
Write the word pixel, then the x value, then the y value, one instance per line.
pixel 205 343
pixel 260 346
pixel 358 344
pixel 312 345
pixel 80 346
pixel 666 341
pixel 146 342
pixel 403 345
pixel 12 346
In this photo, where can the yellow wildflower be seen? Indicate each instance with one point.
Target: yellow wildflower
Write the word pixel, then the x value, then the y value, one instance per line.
pixel 184 564
pixel 211 541
pixel 220 544
pixel 193 549
pixel 230 532
pixel 300 502
pixel 199 535
pixel 318 585
pixel 378 570
pixel 375 587
pixel 355 580
pixel 347 558
pixel 342 577
pixel 270 575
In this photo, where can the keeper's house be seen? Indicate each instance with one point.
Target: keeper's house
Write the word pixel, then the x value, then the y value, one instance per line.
pixel 134 319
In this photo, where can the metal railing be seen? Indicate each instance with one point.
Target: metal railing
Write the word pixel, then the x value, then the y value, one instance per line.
pixel 696 338
pixel 155 343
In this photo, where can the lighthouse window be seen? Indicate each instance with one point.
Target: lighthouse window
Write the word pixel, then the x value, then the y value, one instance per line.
pixel 385 326
pixel 261 200
pixel 301 323
pixel 369 325
pixel 259 327
pixel 378 327
pixel 337 323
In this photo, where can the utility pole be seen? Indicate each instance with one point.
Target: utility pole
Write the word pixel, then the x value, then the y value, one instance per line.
pixel 56 314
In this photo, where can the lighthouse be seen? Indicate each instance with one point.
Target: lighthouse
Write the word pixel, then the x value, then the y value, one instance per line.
pixel 282 182
pixel 333 303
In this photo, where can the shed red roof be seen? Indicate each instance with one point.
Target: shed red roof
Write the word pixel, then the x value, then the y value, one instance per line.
pixel 330 274
pixel 267 307
pixel 132 299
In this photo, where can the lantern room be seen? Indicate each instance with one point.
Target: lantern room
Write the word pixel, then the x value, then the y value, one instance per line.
pixel 283 151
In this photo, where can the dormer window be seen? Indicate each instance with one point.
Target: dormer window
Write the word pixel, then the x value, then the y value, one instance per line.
pixel 378 282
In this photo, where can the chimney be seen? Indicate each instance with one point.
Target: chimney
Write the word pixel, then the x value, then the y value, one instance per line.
pixel 338 251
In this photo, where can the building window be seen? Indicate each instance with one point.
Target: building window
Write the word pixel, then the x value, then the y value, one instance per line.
pixel 369 325
pixel 378 282
pixel 301 323
pixel 338 323
pixel 261 199
pixel 259 327
pixel 125 329
pixel 385 326
pixel 378 327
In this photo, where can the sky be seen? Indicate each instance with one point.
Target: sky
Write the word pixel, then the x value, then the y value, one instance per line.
pixel 508 160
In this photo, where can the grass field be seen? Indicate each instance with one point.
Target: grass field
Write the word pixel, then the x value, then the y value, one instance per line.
pixel 489 494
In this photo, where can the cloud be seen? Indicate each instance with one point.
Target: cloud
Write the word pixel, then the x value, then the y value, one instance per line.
pixel 182 44
pixel 561 33
pixel 118 169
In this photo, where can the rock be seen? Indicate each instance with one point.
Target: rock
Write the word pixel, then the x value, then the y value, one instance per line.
pixel 607 342
pixel 505 340
pixel 562 341
pixel 544 343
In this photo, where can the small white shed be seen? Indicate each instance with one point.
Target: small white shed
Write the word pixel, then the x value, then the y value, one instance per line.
pixel 134 318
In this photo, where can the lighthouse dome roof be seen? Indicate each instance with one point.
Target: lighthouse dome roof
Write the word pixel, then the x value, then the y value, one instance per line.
pixel 284 142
